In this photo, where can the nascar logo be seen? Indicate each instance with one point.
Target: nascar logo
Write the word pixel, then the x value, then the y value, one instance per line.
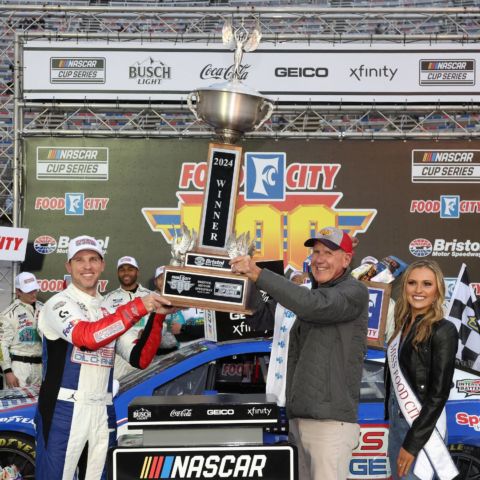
pixel 200 466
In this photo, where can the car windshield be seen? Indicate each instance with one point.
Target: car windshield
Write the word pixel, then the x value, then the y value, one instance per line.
pixel 161 363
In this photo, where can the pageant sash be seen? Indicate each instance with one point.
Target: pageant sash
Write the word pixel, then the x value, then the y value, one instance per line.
pixel 434 456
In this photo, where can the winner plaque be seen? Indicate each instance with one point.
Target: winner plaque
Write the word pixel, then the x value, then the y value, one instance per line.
pixel 200 273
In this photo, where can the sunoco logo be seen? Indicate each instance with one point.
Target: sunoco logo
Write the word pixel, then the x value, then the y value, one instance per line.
pixel 447 72
pixel 422 247
pixel 77 70
pixel 149 72
pixel 445 166
pixel 231 465
pixel 72 163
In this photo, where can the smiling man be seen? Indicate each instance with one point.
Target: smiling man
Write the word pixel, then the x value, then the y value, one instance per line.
pixel 325 354
pixel 75 419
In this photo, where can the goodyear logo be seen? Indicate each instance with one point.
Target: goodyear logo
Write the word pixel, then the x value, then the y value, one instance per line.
pixel 72 163
pixel 445 166
pixel 203 466
pixel 77 70
pixel 307 205
pixel 447 72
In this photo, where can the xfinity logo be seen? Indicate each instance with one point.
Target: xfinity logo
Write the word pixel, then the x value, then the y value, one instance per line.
pixel 301 72
pixel 259 411
pixel 363 71
pixel 221 411
pixel 241 328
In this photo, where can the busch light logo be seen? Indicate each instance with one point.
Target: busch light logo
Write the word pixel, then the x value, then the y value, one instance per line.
pixel 142 414
pixel 450 206
pixel 74 203
pixel 265 176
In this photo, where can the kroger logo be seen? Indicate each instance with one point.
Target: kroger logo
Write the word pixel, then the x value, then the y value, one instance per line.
pixel 265 176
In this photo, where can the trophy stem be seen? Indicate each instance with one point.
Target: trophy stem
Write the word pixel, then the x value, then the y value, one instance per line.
pixel 227 135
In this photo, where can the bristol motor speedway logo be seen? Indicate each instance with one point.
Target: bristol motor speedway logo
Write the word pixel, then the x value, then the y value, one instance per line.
pixel 46 244
pixel 275 199
pixel 447 206
pixel 422 247
pixel 72 203
pixel 445 166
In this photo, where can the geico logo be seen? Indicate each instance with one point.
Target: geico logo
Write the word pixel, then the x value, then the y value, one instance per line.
pixel 237 316
pixel 306 72
pixel 201 466
pixel 221 411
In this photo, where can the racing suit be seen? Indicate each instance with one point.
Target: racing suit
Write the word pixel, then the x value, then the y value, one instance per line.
pixel 111 301
pixel 75 414
pixel 20 343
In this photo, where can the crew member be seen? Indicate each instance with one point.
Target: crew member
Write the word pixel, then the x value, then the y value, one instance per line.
pixel 21 345
pixel 75 417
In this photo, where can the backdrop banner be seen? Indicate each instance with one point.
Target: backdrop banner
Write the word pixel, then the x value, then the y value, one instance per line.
pixel 410 199
pixel 300 72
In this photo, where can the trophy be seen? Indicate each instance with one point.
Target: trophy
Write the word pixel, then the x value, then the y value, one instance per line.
pixel 199 274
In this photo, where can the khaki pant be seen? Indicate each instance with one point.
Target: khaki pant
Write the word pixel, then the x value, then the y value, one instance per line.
pixel 324 447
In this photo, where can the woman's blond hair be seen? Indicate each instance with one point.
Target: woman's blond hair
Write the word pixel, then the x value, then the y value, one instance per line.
pixel 434 314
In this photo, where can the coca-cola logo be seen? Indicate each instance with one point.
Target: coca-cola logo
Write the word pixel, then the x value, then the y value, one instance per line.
pixel 186 412
pixel 225 73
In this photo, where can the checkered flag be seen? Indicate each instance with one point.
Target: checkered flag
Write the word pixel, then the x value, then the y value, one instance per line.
pixel 464 312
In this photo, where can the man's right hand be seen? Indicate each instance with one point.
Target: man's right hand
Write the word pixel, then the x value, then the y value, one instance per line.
pixel 155 302
pixel 11 380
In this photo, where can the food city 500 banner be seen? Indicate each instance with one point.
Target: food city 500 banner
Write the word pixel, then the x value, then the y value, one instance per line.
pixel 412 199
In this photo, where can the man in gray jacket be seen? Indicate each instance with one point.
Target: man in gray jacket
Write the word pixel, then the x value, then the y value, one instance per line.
pixel 325 356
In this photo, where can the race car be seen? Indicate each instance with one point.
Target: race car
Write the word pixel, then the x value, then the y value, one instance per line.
pixel 203 367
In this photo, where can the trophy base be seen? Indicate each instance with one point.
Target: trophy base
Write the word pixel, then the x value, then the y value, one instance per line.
pixel 211 290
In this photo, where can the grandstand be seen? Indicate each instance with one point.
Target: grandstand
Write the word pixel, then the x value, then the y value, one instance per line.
pixel 325 21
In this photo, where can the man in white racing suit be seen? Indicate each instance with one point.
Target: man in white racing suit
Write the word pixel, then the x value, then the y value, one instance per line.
pixel 75 418
pixel 127 271
pixel 20 343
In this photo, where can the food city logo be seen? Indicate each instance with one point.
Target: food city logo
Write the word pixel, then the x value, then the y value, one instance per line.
pixel 220 465
pixel 448 206
pixel 72 163
pixel 450 71
pixel 211 72
pixel 55 285
pixel 466 419
pixel 149 72
pixel 72 203
pixel 445 166
pixel 381 71
pixel 469 386
pixel 274 200
pixel 46 244
pixel 142 414
pixel 422 247
pixel 77 70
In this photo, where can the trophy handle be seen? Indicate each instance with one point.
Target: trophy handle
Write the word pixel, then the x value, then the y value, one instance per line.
pixel 269 105
pixel 191 106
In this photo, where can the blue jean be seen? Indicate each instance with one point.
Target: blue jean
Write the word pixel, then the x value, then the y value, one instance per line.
pixel 396 435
